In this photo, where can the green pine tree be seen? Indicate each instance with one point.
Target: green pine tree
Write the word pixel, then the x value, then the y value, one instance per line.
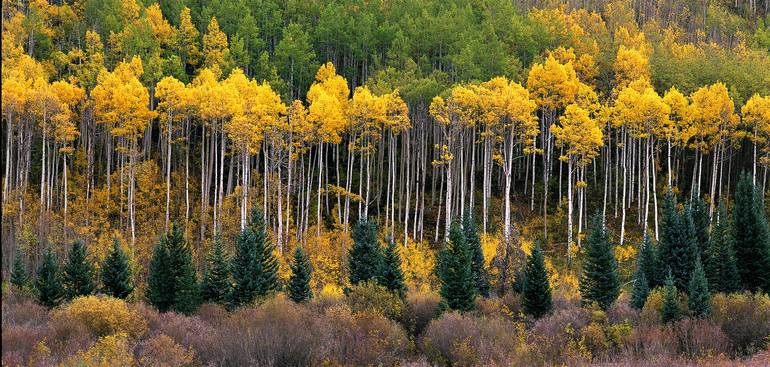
pixel 19 275
pixel 678 246
pixel 160 282
pixel 599 282
pixel 50 291
pixel 267 281
pixel 701 222
pixel 752 237
pixel 116 273
pixel 245 269
pixel 365 257
pixel 536 293
pixel 699 298
pixel 719 264
pixel 301 272
pixel 186 296
pixel 78 277
pixel 647 262
pixel 391 276
pixel 216 283
pixel 454 269
pixel 470 229
pixel 670 311
pixel 641 289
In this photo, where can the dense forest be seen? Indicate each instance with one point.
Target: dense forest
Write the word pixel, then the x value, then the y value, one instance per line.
pixel 589 176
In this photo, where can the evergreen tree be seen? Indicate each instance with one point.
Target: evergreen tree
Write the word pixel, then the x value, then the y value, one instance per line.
pixel 470 229
pixel 19 275
pixel 245 269
pixel 458 286
pixel 50 291
pixel 677 248
pixel 641 289
pixel 536 293
pixel 365 256
pixel 301 272
pixel 719 264
pixel 670 311
pixel 699 299
pixel 78 277
pixel 391 276
pixel 701 222
pixel 267 280
pixel 172 284
pixel 160 282
pixel 752 237
pixel 599 282
pixel 216 283
pixel 116 273
pixel 186 289
pixel 647 262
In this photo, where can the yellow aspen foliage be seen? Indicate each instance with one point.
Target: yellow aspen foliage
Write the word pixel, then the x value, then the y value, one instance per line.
pixel 508 109
pixel 20 78
pixel 161 29
pixel 14 36
pixel 70 97
pixel 584 64
pixel 641 110
pixel 679 117
pixel 367 114
pixel 579 134
pixel 630 65
pixel 259 109
pixel 328 99
pixel 187 38
pixel 553 85
pixel 216 54
pixel 103 316
pixel 713 116
pixel 397 112
pixel 121 101
pixel 214 101
pixel 756 118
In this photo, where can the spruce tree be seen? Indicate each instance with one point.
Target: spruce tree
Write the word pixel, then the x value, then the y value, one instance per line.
pixel 245 269
pixel 116 273
pixel 391 276
pixel 471 231
pixel 186 289
pixel 752 237
pixel 698 294
pixel 647 262
pixel 301 272
pixel 599 282
pixel 267 281
pixel 160 281
pixel 19 275
pixel 536 293
pixel 216 283
pixel 454 269
pixel 641 289
pixel 50 291
pixel 670 311
pixel 701 222
pixel 677 248
pixel 720 265
pixel 365 257
pixel 78 277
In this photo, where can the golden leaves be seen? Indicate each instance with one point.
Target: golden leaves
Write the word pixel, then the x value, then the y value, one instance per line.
pixel 553 85
pixel 579 133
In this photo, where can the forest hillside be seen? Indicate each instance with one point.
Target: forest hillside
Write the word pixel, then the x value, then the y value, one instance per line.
pixel 424 182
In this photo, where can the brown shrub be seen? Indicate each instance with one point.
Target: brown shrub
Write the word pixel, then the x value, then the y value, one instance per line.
pixel 420 309
pixel 212 313
pixel 465 340
pixel 620 312
pixel 111 350
pixel 700 338
pixel 555 338
pixel 19 341
pixel 744 318
pixel 363 338
pixel 102 316
pixel 190 332
pixel 162 351
pixel 276 333
pixel 373 297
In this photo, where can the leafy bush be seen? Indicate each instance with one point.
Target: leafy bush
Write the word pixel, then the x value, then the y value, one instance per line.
pixel 373 297
pixel 420 309
pixel 464 340
pixel 362 338
pixel 162 351
pixel 102 316
pixel 744 318
pixel 110 350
